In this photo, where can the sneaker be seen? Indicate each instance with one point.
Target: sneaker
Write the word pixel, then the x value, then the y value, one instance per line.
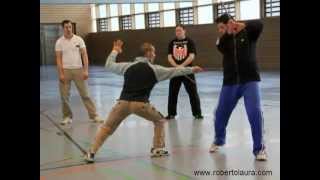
pixel 66 120
pixel 170 117
pixel 89 157
pixel 262 155
pixel 158 152
pixel 97 119
pixel 214 148
pixel 198 117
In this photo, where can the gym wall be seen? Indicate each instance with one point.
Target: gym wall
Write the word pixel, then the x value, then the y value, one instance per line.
pixel 268 49
pixel 80 14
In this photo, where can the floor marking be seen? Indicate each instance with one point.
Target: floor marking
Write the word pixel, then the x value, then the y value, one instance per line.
pixel 43 164
pixel 181 176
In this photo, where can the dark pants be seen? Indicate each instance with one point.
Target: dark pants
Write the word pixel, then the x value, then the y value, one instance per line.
pixel 191 88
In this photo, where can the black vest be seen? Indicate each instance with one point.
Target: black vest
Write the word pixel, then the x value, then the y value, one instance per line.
pixel 139 79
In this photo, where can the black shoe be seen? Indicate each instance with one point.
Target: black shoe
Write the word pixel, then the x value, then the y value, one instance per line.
pixel 198 117
pixel 170 117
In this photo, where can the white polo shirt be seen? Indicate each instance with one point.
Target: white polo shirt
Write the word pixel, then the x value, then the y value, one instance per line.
pixel 70 48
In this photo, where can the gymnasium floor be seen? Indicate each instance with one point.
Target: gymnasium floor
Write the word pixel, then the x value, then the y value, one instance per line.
pixel 125 156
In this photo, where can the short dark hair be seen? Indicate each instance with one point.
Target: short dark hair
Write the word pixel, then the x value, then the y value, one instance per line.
pixel 66 21
pixel 224 18
pixel 180 25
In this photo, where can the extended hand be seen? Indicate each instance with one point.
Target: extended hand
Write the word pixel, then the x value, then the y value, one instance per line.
pixel 117 46
pixel 196 69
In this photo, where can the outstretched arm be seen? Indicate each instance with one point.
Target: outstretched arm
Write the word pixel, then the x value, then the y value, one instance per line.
pixel 163 73
pixel 111 64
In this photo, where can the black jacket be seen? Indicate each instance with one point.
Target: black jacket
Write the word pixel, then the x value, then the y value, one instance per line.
pixel 239 54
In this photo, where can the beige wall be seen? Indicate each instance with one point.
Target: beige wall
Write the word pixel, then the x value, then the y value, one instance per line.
pixel 80 14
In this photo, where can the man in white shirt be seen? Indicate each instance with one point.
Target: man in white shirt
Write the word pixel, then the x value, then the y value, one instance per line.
pixel 70 51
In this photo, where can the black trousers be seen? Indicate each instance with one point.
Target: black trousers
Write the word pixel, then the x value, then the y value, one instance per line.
pixel 191 88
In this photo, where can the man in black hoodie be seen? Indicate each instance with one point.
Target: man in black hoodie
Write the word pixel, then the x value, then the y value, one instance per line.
pixel 140 77
pixel 240 79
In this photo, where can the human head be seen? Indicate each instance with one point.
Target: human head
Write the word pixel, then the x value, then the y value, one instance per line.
pixel 225 23
pixel 180 31
pixel 148 51
pixel 67 28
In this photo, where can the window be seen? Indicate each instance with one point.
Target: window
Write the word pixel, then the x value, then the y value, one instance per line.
pixel 93 18
pixel 115 24
pixel 249 9
pixel 140 22
pixel 113 9
pixel 272 8
pixel 126 23
pixel 204 2
pixel 102 24
pixel 138 8
pixel 153 19
pixel 205 15
pixel 94 26
pixel 225 1
pixel 102 11
pixel 168 6
pixel 227 7
pixel 169 18
pixel 153 7
pixel 185 16
pixel 125 8
pixel 185 4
